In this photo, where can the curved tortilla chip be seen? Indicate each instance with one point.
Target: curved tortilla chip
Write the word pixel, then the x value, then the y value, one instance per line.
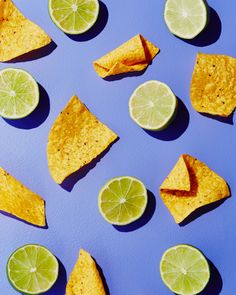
pixel 134 55
pixel 18 35
pixel 18 200
pixel 205 187
pixel 213 83
pixel 85 278
pixel 76 138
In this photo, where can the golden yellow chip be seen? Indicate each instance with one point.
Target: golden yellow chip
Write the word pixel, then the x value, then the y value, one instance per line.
pixel 18 200
pixel 18 35
pixel 134 55
pixel 205 187
pixel 213 83
pixel 85 278
pixel 76 138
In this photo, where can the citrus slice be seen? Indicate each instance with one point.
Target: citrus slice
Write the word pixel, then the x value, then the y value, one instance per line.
pixel 184 270
pixel 153 105
pixel 186 18
pixel 122 200
pixel 32 269
pixel 19 93
pixel 74 16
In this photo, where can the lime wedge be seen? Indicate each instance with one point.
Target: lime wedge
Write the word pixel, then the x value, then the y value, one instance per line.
pixel 19 93
pixel 74 16
pixel 186 18
pixel 153 105
pixel 184 270
pixel 122 200
pixel 32 269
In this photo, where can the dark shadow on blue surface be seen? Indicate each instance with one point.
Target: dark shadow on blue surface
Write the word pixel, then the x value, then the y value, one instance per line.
pixel 214 287
pixel 35 54
pixel 71 180
pixel 144 219
pixel 97 27
pixel 176 128
pixel 125 75
pixel 211 33
pixel 226 120
pixel 107 291
pixel 38 116
pixel 21 220
pixel 60 286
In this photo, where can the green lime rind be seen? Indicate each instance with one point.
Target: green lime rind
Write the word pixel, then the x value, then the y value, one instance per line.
pixel 122 200
pixel 184 274
pixel 73 31
pixel 19 93
pixel 19 270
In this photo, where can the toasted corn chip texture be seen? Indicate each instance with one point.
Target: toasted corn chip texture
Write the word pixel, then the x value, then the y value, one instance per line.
pixel 134 55
pixel 205 187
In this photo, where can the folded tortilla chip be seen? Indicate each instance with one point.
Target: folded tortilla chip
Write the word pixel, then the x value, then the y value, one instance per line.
pixel 213 83
pixel 134 55
pixel 76 138
pixel 85 278
pixel 191 185
pixel 18 35
pixel 18 200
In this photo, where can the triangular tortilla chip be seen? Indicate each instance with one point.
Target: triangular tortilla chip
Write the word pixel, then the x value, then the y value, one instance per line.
pixel 85 278
pixel 213 88
pixel 18 200
pixel 18 35
pixel 134 55
pixel 206 187
pixel 76 138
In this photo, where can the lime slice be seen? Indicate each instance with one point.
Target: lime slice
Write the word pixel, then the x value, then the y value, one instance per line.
pixel 186 18
pixel 184 270
pixel 32 269
pixel 122 200
pixel 19 93
pixel 74 16
pixel 153 105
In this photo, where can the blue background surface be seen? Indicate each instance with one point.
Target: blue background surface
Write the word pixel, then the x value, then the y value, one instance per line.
pixel 129 257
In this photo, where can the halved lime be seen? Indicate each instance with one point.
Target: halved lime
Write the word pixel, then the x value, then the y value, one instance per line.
pixel 186 18
pixel 32 269
pixel 153 105
pixel 74 16
pixel 184 270
pixel 19 93
pixel 122 200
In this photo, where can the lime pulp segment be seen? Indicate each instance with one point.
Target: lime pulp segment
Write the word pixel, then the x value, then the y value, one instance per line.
pixel 19 93
pixel 184 270
pixel 74 16
pixel 153 105
pixel 186 18
pixel 122 200
pixel 32 269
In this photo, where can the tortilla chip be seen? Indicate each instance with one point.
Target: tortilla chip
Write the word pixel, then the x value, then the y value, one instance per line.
pixel 76 138
pixel 18 200
pixel 134 55
pixel 213 83
pixel 18 35
pixel 85 278
pixel 205 187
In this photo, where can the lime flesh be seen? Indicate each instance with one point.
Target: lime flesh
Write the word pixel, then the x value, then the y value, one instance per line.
pixel 184 270
pixel 153 105
pixel 32 269
pixel 186 18
pixel 19 93
pixel 74 16
pixel 122 200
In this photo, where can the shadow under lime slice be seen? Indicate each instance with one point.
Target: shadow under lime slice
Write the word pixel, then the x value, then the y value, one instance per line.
pixel 74 16
pixel 122 200
pixel 184 270
pixel 19 93
pixel 32 269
